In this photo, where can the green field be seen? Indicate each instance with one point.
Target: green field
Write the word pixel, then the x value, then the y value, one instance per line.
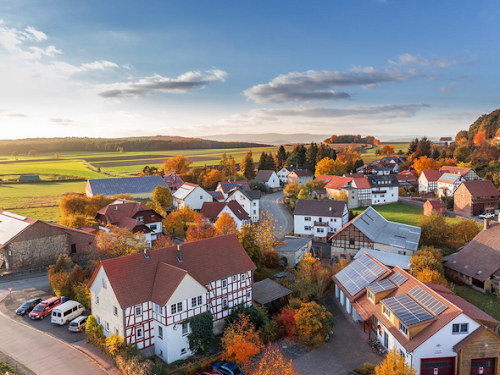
pixel 369 155
pixel 401 213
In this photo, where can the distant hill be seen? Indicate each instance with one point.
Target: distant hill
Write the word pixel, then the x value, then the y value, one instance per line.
pixel 270 138
pixel 489 122
pixel 156 143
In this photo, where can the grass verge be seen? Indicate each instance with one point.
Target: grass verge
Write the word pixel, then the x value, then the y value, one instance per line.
pixel 489 303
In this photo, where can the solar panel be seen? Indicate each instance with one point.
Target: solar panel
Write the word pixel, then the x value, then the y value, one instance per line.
pixel 398 278
pixel 407 310
pixel 357 275
pixel 381 286
pixel 430 302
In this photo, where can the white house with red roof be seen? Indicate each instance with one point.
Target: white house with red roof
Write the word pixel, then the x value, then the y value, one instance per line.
pixel 427 181
pixel 433 329
pixel 466 172
pixel 131 215
pixel 448 183
pixel 148 297
pixel 224 187
pixel 213 210
pixel 248 199
pixel 191 195
pixel 269 178
pixel 299 176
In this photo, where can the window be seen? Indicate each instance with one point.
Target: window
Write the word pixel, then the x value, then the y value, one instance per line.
pixel 115 310
pixel 402 252
pixel 193 302
pixel 183 351
pixel 334 220
pixel 139 332
pixel 224 303
pixel 402 328
pixel 201 196
pixel 185 328
pixel 73 248
pixel 321 230
pixel 351 241
pixel 96 299
pixel 307 218
pixel 224 283
pixel 117 331
pixel 107 326
pixel 254 204
pixel 370 295
pixel 138 310
pixel 158 309
pixel 461 328
pixel 140 218
pixel 255 212
pixel 160 332
pixel 307 227
pixel 248 295
pixel 387 312
pixel 331 219
pixel 104 283
pixel 173 309
pixel 99 320
pixel 200 300
pixel 242 277
pixel 235 278
pixel 179 306
pixel 153 227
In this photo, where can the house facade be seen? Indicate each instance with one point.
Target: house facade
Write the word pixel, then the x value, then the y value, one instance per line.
pixel 269 178
pixel 372 231
pixel 447 184
pixel 467 173
pixel 213 210
pixel 431 328
pixel 248 199
pixel 190 195
pixel 225 187
pixel 473 198
pixel 148 297
pixel 318 219
pixel 300 176
pixel 137 187
pixel 427 181
pixel 384 189
pixel 133 216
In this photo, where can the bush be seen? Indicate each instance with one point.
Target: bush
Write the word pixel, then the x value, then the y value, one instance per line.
pixel 274 330
pixel 94 333
pixel 136 365
pixel 270 259
pixel 258 315
pixel 114 344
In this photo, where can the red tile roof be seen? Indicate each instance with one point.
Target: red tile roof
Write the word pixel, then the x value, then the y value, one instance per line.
pixel 436 204
pixel 212 210
pixel 361 183
pixel 132 277
pixel 439 288
pixel 481 188
pixel 406 177
pixel 432 175
pixel 173 180
pixel 122 215
pixel 337 182
pixel 455 170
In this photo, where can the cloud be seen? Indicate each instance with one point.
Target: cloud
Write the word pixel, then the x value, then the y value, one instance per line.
pixel 50 51
pixel 5 113
pixel 99 65
pixel 157 83
pixel 61 121
pixel 384 111
pixel 319 85
pixel 441 62
pixel 453 86
pixel 33 34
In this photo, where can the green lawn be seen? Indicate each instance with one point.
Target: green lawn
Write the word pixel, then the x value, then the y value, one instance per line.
pixel 401 213
pixel 49 170
pixel 52 213
pixel 490 304
pixel 6 368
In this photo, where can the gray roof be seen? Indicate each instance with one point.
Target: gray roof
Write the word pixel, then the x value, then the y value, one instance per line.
pixel 264 175
pixel 250 194
pixel 313 207
pixel 380 181
pixel 127 185
pixel 293 244
pixel 378 229
pixel 389 259
pixel 267 290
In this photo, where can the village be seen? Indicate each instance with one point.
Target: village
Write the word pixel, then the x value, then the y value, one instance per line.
pixel 309 261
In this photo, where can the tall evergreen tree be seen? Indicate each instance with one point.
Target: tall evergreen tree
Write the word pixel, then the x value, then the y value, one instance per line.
pixel 281 157
pixel 435 154
pixel 247 167
pixel 311 154
pixel 270 164
pixel 263 162
pixel 301 153
pixel 412 147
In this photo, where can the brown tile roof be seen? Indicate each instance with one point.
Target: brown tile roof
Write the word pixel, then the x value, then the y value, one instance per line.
pixel 480 258
pixel 439 288
pixel 122 215
pixel 409 171
pixel 212 210
pixel 132 277
pixel 406 177
pixel 84 230
pixel 264 175
pixel 336 182
pixel 267 290
pixel 455 170
pixel 436 204
pixel 227 186
pixel 354 175
pixel 314 207
pixel 303 173
pixel 481 188
pixel 173 180
pixel 250 194
pixel 469 309
pixel 432 175
pixel 361 183
pixel 474 335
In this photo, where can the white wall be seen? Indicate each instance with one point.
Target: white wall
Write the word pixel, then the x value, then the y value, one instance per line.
pixel 274 181
pixel 391 195
pixel 334 223
pixel 195 199
pixel 250 206
pixel 283 175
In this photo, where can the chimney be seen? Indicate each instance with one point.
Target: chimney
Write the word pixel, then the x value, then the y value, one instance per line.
pixel 179 253
pixel 146 253
pixel 486 224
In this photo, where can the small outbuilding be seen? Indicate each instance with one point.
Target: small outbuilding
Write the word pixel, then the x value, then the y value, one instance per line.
pixel 270 294
pixel 434 205
pixel 29 178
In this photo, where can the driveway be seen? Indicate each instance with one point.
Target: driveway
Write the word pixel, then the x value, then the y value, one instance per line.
pixel 346 350
pixel 40 352
pixel 272 203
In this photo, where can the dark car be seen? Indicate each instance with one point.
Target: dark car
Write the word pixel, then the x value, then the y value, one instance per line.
pixel 27 306
pixel 227 368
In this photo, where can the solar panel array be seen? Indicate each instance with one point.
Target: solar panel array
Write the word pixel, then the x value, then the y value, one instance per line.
pixel 407 310
pixel 381 286
pixel 357 275
pixel 430 302
pixel 398 278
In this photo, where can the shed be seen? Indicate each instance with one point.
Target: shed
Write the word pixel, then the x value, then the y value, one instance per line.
pixel 29 178
pixel 434 205
pixel 270 294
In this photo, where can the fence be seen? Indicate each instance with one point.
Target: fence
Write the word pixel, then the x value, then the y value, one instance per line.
pixel 16 366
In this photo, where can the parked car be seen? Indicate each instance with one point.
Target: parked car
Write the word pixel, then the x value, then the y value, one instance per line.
pixel 66 312
pixel 27 306
pixel 78 324
pixel 44 308
pixel 227 368
pixel 487 215
pixel 208 372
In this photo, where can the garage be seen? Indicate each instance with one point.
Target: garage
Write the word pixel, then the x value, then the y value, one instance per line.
pixel 438 366
pixel 483 366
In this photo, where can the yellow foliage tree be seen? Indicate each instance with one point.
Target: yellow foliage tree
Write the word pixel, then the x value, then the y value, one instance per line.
pixel 225 224
pixel 394 364
pixel 118 242
pixel 240 341
pixel 272 362
pixel 265 232
pixel 178 164
pixel 331 167
pixel 114 344
pixel 178 220
pixel 428 275
pixel 312 321
pixel 292 189
pixel 424 163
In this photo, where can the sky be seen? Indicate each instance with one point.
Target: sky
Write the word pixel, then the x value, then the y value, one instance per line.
pixel 110 68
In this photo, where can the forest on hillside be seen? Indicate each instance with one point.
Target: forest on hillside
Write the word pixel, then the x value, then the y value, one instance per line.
pixel 350 138
pixel 489 123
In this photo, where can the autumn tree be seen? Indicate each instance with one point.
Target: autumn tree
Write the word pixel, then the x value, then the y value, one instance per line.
pixel 462 232
pixel 176 222
pixel 292 190
pixel 200 230
pixel 427 257
pixel 313 322
pixel 376 142
pixel 266 231
pixel 211 178
pixel 247 167
pixel 178 164
pixel 281 157
pixel 424 163
pixel 311 279
pixel 248 239
pixel 435 230
pixel 272 362
pixel 32 153
pixel 388 150
pixel 225 224
pixel 163 241
pixel 394 364
pixel 240 341
pixel 427 275
pixel 329 166
pixel 119 241
pixel 57 155
pixel 479 138
pixel 15 154
pixel 162 197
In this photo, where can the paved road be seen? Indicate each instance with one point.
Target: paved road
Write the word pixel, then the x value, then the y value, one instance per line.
pixel 38 351
pixel 272 204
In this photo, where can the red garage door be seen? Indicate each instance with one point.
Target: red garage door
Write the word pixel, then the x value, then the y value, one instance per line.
pixel 483 366
pixel 438 366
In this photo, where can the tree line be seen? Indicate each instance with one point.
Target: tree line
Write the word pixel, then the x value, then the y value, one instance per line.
pixel 350 138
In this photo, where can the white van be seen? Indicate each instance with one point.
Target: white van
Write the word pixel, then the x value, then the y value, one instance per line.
pixel 66 312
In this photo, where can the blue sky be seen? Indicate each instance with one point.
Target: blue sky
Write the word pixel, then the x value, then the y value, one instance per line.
pixel 193 68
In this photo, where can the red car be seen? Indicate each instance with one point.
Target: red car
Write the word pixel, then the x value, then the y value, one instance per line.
pixel 44 308
pixel 208 372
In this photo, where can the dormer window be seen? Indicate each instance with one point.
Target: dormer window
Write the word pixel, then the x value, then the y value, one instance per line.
pixel 140 218
pixel 387 312
pixel 402 328
pixel 371 297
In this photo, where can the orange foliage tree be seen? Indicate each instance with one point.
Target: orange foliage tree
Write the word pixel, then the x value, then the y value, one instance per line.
pixel 272 362
pixel 313 321
pixel 330 166
pixel 163 241
pixel 201 229
pixel 177 220
pixel 388 150
pixel 479 138
pixel 428 275
pixel 376 142
pixel 240 341
pixel 424 163
pixel 178 164
pixel 394 364
pixel 225 224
